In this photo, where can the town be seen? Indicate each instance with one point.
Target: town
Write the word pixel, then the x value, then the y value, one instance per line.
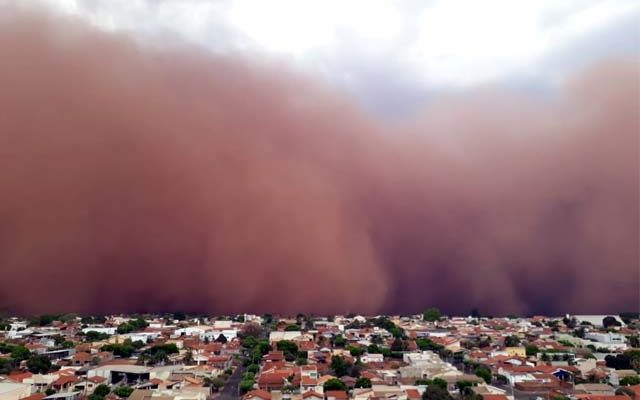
pixel 267 357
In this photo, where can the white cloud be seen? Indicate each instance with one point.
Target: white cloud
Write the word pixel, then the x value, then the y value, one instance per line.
pixel 437 44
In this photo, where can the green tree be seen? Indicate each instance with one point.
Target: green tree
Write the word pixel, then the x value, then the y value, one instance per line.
pixel 217 383
pixel 339 341
pixel 6 365
pixel 253 368
pixel 289 348
pixel 484 373
pixel 123 391
pixel 292 328
pixel 373 349
pixel 339 366
pixel 466 390
pixel 39 364
pixel 19 353
pixel 94 336
pixel 428 344
pixel 355 351
pixel 334 384
pixel 610 321
pixel 512 341
pixel 439 382
pixel 101 390
pixel 630 380
pixel 434 392
pixel 531 349
pixel 50 391
pixel 363 382
pixel 432 314
pixel 246 386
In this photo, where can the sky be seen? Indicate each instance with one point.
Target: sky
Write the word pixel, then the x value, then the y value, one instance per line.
pixel 393 55
pixel 319 157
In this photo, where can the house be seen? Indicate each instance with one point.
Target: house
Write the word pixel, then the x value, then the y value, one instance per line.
pixel 64 396
pixel 35 396
pixel 615 375
pixel 12 390
pixel 636 391
pixel 293 336
pixel 599 389
pixel 309 379
pixel 312 395
pixel 257 395
pixel 336 395
pixel 611 341
pixel 64 383
pixel 100 329
pixel 222 362
pixel 81 359
pixel 277 379
pixel 88 385
pixel 372 358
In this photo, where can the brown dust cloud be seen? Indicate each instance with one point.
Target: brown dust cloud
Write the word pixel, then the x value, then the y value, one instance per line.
pixel 147 178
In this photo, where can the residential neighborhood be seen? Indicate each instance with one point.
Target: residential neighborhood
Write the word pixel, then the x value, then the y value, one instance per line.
pixel 267 357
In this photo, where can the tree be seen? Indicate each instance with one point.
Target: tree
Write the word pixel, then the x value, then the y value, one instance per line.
pixel 39 364
pixel 570 322
pixel 630 380
pixel 512 341
pixel 292 328
pixel 339 341
pixel 630 359
pixel 439 382
pixel 373 349
pixel 50 391
pixel 398 345
pixel 634 341
pixel 253 368
pixel 434 392
pixel 251 329
pixel 610 321
pixel 334 384
pixel 363 382
pixel 188 357
pixel 6 365
pixel 339 365
pixel 246 385
pixel 484 373
pixel 465 389
pixel 216 383
pixel 289 348
pixel 133 325
pixel 124 350
pixel 355 351
pixel 94 336
pixel 221 339
pixel 101 390
pixel 123 391
pixel 20 353
pixel 428 344
pixel 432 314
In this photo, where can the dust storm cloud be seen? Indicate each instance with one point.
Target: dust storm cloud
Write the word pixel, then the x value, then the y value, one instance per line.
pixel 147 178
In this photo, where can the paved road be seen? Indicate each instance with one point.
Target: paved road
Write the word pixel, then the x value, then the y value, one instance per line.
pixel 230 390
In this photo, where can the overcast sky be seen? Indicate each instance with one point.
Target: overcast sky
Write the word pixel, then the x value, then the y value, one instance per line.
pixel 393 55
